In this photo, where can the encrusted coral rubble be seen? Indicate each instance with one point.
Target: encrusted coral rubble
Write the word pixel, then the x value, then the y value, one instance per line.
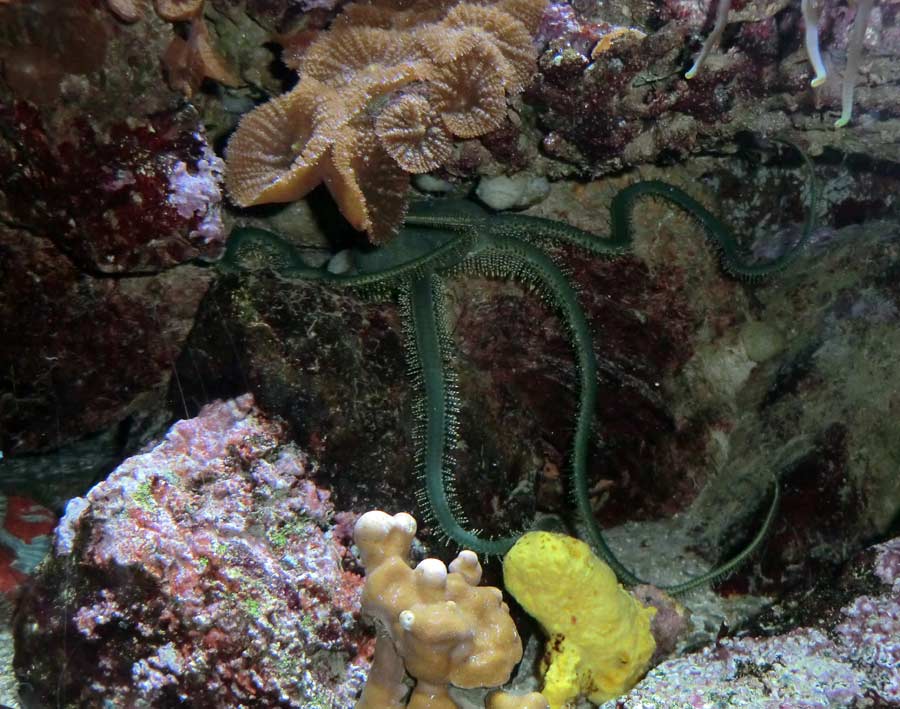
pixel 207 570
pixel 846 659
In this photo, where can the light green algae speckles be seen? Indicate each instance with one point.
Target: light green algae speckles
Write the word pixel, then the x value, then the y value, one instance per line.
pixel 252 606
pixel 143 493
pixel 143 496
pixel 295 529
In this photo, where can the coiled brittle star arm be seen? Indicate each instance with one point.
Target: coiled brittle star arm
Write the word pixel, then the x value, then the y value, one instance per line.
pixel 444 240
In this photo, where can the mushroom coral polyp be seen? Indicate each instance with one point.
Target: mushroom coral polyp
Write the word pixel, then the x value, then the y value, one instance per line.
pixel 382 95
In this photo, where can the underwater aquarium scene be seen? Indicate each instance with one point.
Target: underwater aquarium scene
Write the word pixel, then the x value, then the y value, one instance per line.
pixel 449 354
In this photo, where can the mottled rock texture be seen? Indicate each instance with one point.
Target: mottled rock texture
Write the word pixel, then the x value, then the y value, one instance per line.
pixel 108 187
pixel 695 385
pixel 209 569
pixel 604 106
pixel 836 647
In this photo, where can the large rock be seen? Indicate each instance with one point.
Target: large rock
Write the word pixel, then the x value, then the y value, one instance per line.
pixel 210 570
pixel 109 187
pixel 609 96
pixel 844 650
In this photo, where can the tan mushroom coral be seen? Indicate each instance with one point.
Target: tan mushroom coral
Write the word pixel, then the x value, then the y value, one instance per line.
pixel 381 15
pixel 189 61
pixel 368 186
pixel 469 92
pixel 171 10
pixel 275 156
pixel 286 147
pixel 344 54
pixel 412 134
pixel 178 10
pixel 502 31
pixel 359 15
pixel 394 80
pixel 434 622
pixel 528 12
pixel 127 10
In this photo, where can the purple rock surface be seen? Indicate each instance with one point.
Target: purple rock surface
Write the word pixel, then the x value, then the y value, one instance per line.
pixel 847 657
pixel 208 569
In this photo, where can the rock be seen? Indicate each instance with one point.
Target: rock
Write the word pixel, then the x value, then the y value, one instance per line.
pixel 516 192
pixel 92 355
pixel 761 340
pixel 210 570
pixel 109 188
pixel 629 104
pixel 845 654
pixel 429 183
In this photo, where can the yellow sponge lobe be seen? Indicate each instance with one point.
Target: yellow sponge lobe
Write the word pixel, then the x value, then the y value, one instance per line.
pixel 599 636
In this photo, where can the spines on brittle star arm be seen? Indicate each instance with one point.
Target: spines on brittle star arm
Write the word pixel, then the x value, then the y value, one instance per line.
pixel 436 413
pixel 527 263
pixel 538 230
pixel 532 264
pixel 252 249
pixel 720 238
pixel 412 253
pixel 728 567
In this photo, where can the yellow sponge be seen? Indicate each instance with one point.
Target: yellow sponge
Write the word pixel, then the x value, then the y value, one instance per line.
pixel 599 636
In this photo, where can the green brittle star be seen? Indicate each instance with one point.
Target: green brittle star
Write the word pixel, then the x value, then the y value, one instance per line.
pixel 443 239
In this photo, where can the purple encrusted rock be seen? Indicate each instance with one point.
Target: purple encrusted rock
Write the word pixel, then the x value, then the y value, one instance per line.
pixel 847 657
pixel 196 192
pixel 209 569
pixel 133 197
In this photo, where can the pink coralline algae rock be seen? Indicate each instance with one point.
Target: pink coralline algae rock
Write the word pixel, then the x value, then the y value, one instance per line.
pixel 196 193
pixel 561 27
pixel 208 570
pixel 847 658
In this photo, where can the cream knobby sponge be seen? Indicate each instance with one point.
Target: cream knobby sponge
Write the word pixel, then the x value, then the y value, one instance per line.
pixel 434 623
